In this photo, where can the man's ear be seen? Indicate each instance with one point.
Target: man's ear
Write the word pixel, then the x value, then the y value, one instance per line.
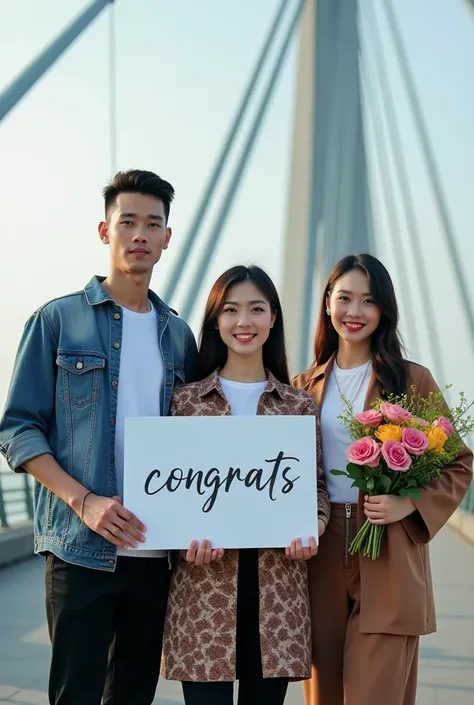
pixel 103 232
pixel 168 235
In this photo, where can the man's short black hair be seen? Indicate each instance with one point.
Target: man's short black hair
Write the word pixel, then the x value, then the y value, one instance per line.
pixel 138 181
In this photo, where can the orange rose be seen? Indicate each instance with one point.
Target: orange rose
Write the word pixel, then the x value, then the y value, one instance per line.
pixel 389 432
pixel 436 439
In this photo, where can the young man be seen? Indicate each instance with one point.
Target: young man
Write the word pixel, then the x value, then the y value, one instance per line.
pixel 85 362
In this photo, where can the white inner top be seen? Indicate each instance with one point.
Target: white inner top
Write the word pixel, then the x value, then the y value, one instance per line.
pixel 139 389
pixel 242 396
pixel 353 384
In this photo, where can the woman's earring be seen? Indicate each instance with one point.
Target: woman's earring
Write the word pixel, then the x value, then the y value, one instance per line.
pixel 328 311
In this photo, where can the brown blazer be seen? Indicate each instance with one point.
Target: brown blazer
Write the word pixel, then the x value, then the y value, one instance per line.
pixel 199 642
pixel 397 588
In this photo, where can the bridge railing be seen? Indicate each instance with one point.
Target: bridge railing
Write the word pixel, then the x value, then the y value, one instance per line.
pixel 16 498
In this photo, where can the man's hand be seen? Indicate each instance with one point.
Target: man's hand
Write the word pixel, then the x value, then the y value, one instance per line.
pixel 387 508
pixel 297 552
pixel 109 518
pixel 321 527
pixel 202 554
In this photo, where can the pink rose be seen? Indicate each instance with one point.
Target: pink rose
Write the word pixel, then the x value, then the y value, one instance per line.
pixel 365 451
pixel 415 441
pixel 445 424
pixel 396 456
pixel 370 417
pixel 394 412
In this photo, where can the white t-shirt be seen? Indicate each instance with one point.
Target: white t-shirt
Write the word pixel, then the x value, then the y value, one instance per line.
pixel 353 385
pixel 242 396
pixel 140 388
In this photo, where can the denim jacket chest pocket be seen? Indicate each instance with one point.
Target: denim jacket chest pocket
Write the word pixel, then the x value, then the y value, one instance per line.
pixel 81 377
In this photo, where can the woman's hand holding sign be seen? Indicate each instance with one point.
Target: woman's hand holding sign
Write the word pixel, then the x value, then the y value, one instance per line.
pixel 297 552
pixel 202 554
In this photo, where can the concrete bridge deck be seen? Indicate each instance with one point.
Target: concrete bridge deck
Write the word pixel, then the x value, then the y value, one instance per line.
pixel 446 664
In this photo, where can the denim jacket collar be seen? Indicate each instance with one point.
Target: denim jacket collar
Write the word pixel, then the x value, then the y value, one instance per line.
pixel 96 294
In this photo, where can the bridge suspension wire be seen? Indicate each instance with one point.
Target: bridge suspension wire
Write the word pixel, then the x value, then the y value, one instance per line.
pixel 375 115
pixel 448 230
pixel 380 64
pixel 32 73
pixel 221 162
pixel 236 178
pixel 112 92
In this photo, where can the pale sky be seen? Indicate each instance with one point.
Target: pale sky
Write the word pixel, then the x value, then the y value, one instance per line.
pixel 181 70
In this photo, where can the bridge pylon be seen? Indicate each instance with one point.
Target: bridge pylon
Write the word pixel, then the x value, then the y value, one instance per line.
pixel 328 212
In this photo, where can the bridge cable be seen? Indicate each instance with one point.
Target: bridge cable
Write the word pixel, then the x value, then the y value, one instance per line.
pixel 213 182
pixel 14 92
pixel 382 157
pixel 380 64
pixel 236 178
pixel 450 238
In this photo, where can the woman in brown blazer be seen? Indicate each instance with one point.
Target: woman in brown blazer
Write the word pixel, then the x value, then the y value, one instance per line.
pixel 367 616
pixel 241 614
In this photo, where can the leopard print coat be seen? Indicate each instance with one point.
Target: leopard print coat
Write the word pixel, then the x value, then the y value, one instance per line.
pixel 199 641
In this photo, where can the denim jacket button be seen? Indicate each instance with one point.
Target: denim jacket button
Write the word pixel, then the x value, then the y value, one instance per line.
pixel 114 383
pixel 116 346
pixel 117 316
pixel 112 420
pixel 79 365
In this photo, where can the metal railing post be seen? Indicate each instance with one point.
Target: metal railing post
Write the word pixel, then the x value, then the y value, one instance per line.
pixel 3 514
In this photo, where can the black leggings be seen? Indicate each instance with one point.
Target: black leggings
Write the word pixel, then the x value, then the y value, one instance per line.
pixel 265 691
pixel 254 689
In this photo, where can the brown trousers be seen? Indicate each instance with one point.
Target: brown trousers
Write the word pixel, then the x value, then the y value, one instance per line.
pixel 351 668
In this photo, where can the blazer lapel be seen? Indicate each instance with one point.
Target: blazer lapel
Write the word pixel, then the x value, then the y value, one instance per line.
pixel 323 374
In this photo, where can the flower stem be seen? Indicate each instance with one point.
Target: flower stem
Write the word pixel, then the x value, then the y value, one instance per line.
pixel 368 540
pixel 359 539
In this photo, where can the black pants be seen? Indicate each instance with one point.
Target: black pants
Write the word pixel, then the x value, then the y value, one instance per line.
pixel 254 689
pixel 106 631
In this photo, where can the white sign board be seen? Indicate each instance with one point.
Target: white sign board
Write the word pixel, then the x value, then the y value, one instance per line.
pixel 239 481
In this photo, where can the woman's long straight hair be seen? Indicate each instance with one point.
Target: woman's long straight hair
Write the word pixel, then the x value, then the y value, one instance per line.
pixel 213 351
pixel 387 349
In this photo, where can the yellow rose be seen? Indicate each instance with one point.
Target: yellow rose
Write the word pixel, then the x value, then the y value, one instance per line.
pixel 389 432
pixel 436 439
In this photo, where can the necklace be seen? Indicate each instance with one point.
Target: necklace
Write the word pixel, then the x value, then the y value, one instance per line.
pixel 351 401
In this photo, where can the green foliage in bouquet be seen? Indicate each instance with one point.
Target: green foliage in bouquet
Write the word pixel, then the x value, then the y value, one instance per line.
pixel 398 446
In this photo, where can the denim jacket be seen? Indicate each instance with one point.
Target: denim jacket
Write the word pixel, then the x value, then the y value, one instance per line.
pixel 63 400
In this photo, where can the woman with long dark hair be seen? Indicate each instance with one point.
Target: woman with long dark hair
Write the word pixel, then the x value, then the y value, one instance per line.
pixel 368 615
pixel 241 614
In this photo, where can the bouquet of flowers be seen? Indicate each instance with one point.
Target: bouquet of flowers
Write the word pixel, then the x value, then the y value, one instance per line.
pixel 398 446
